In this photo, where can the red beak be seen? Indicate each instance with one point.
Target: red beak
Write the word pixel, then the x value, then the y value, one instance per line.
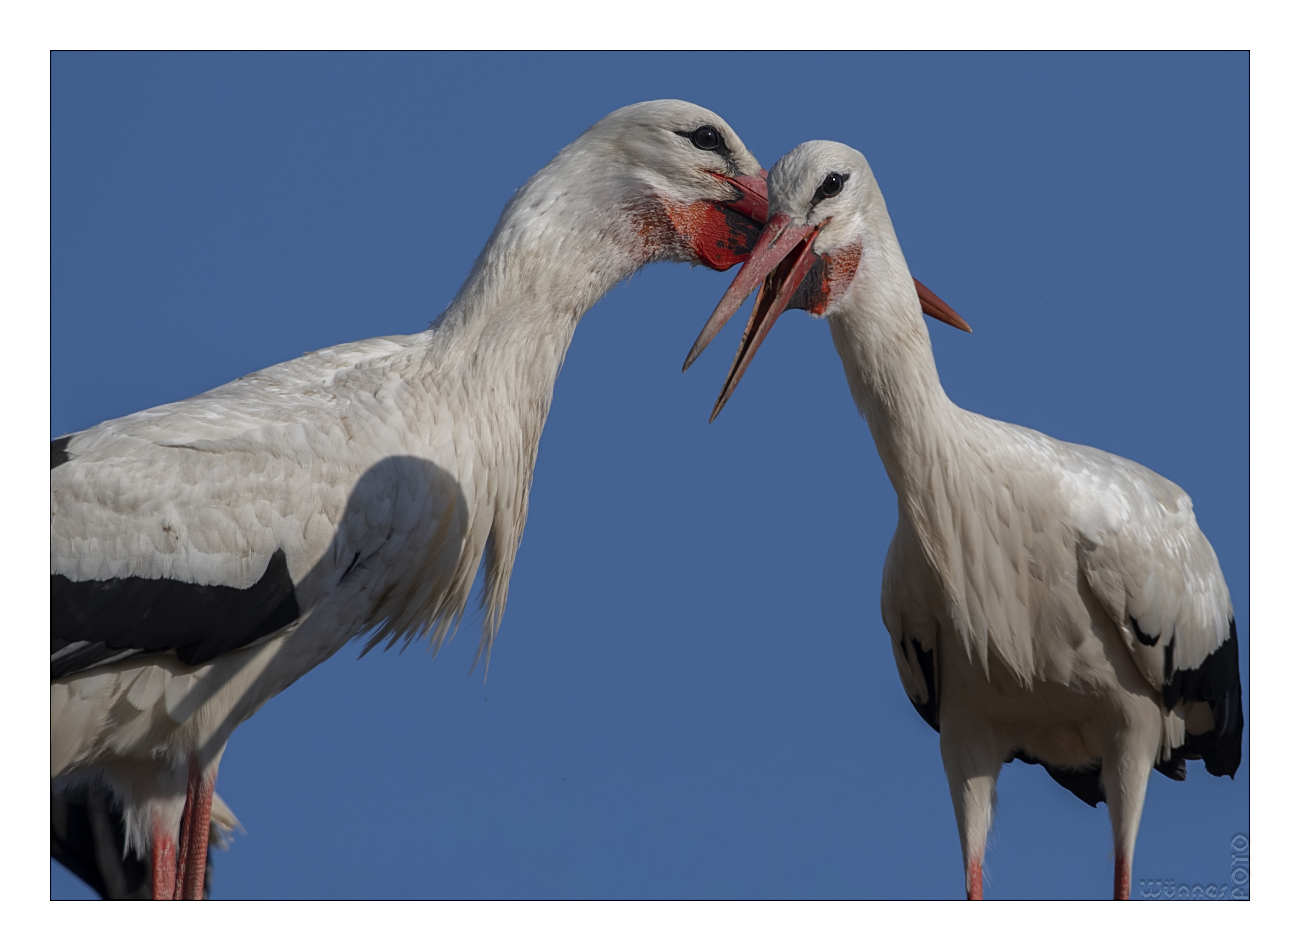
pixel 753 194
pixel 781 258
pixel 779 261
pixel 932 306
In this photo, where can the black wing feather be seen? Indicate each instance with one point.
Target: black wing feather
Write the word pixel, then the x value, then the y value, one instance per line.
pixel 95 621
pixel 59 451
pixel 1217 681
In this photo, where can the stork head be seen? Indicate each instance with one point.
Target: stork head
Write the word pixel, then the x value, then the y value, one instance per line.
pixel 686 185
pixel 824 206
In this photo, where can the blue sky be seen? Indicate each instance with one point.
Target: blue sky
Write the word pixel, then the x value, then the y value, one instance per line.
pixel 692 694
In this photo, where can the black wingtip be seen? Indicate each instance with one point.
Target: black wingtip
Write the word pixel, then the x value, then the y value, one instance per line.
pixel 59 451
pixel 1217 682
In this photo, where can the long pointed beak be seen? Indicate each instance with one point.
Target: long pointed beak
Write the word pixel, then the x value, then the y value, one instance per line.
pixel 772 245
pixel 932 306
pixel 781 257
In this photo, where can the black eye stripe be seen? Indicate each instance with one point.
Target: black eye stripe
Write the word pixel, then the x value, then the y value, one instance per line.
pixel 831 186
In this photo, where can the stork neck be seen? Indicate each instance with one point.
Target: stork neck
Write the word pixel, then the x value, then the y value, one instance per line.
pixel 881 337
pixel 496 351
pixel 551 257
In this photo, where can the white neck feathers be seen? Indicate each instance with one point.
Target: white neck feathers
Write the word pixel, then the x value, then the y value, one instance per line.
pixel 881 337
pixel 493 356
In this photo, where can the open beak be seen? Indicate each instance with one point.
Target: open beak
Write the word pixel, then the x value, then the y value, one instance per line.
pixel 781 258
pixel 779 261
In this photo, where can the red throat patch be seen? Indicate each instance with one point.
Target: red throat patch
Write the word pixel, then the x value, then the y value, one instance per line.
pixel 830 277
pixel 718 236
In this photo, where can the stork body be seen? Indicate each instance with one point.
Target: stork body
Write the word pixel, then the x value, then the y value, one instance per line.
pixel 208 553
pixel 1044 601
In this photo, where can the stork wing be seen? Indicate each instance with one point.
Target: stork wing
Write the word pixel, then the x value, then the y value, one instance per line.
pixel 203 526
pixel 1154 572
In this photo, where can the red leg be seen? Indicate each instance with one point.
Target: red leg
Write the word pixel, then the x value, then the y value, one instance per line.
pixel 975 881
pixel 179 868
pixel 164 863
pixel 1122 876
pixel 195 863
pixel 187 820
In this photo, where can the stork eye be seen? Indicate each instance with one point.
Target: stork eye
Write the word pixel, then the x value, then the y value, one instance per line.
pixel 831 186
pixel 706 138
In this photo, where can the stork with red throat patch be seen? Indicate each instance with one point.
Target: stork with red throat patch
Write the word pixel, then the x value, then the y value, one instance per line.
pixel 1045 601
pixel 206 554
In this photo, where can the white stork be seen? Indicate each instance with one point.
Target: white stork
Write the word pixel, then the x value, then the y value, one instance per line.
pixel 208 553
pixel 1045 601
